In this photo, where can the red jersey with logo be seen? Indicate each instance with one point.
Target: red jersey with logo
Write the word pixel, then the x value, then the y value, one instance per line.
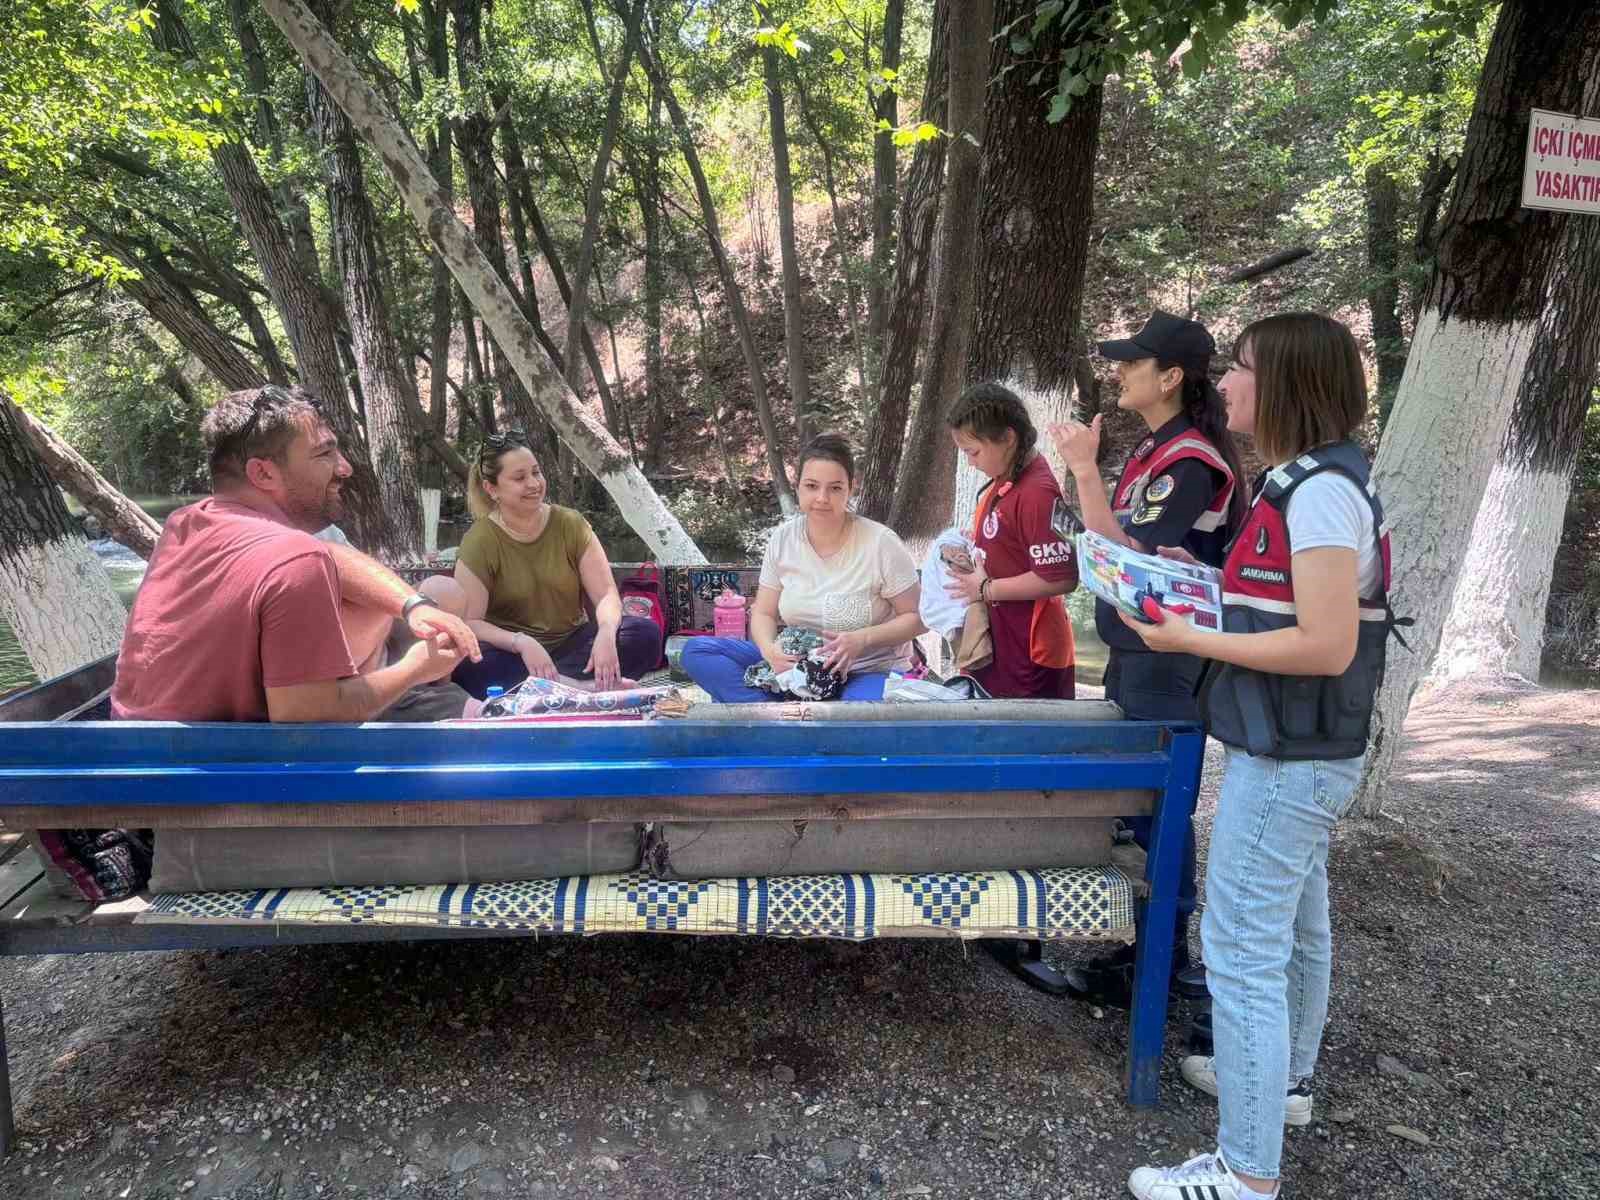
pixel 1012 533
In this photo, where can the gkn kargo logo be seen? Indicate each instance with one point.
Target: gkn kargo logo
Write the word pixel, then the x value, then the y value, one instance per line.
pixel 1050 552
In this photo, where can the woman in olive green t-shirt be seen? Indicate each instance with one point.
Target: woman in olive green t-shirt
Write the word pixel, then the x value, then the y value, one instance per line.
pixel 526 566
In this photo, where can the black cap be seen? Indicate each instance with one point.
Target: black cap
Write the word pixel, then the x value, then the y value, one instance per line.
pixel 1168 338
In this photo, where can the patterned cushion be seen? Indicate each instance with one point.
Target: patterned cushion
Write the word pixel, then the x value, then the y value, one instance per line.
pixel 1093 903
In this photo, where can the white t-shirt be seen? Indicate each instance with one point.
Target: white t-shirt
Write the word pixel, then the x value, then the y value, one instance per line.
pixel 1329 509
pixel 850 589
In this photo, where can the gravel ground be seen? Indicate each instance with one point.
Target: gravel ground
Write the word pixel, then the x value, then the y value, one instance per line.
pixel 1464 998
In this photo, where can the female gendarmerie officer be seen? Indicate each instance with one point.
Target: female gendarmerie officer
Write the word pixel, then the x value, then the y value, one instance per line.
pixel 1180 487
pixel 1289 693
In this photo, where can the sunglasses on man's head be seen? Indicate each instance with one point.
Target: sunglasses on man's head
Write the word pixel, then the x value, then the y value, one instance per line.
pixel 269 397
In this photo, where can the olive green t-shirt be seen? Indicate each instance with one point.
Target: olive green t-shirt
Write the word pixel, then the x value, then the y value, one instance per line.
pixel 533 586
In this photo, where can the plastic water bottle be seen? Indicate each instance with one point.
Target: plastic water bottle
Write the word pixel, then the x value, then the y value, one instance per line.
pixel 728 619
pixel 494 701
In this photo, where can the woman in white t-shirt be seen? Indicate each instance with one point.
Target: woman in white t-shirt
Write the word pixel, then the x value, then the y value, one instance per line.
pixel 829 571
pixel 1290 694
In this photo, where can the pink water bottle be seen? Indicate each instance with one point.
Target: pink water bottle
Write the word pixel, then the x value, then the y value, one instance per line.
pixel 728 620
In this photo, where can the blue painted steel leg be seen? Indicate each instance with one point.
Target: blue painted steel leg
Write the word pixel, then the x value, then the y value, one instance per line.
pixel 1152 962
pixel 8 1131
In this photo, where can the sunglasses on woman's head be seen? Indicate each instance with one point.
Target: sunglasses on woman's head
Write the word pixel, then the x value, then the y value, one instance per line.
pixel 497 444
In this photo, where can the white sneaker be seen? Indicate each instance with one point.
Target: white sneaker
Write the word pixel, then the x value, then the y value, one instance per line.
pixel 1204 1177
pixel 1201 1072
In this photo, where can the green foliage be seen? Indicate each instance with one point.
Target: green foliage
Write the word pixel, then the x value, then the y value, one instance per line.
pixel 104 393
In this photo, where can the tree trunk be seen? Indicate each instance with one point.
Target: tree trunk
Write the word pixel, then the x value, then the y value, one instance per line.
pixel 649 189
pixel 1478 324
pixel 441 162
pixel 733 295
pixel 124 520
pixel 636 500
pixel 269 133
pixel 919 217
pixel 54 592
pixel 522 195
pixel 885 186
pixel 578 307
pixel 922 502
pixel 1037 207
pixel 841 238
pixel 794 322
pixel 389 390
pixel 179 313
pixel 1383 281
pixel 1496 623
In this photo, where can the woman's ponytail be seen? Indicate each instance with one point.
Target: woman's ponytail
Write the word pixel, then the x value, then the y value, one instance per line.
pixel 478 502
pixel 1207 412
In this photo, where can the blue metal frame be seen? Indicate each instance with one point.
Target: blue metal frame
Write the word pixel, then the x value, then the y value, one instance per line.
pixel 147 764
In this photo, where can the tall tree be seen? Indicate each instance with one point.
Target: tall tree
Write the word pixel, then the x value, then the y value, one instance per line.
pixel 54 592
pixel 578 308
pixel 1037 207
pixel 885 186
pixel 1478 325
pixel 1496 624
pixel 732 293
pixel 388 386
pixel 922 506
pixel 124 520
pixel 794 321
pixel 636 500
pixel 918 219
pixel 1383 277
pixel 297 294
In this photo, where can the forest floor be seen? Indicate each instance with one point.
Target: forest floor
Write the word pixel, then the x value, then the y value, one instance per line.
pixel 1463 1008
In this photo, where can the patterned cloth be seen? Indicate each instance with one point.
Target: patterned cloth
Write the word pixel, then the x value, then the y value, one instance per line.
pixel 808 679
pixel 538 698
pixel 1094 903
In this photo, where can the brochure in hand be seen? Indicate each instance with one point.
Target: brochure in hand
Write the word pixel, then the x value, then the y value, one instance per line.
pixel 1148 586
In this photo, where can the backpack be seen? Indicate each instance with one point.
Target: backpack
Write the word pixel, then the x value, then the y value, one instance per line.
pixel 643 596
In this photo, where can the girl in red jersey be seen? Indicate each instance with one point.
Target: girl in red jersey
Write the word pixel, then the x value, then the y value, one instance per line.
pixel 1024 566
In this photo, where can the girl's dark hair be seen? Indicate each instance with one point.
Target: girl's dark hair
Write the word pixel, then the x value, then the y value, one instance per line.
pixel 987 410
pixel 1208 413
pixel 831 447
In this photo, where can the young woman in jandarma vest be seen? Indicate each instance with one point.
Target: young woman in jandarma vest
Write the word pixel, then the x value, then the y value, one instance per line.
pixel 1289 691
pixel 1183 485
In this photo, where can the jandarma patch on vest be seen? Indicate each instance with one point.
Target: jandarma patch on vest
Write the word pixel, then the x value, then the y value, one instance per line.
pixel 1261 540
pixel 1263 575
pixel 1160 488
pixel 1147 513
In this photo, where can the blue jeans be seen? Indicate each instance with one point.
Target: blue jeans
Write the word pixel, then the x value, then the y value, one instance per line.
pixel 717 664
pixel 1268 946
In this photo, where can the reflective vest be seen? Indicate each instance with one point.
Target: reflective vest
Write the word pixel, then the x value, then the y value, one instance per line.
pixel 1150 461
pixel 1295 716
pixel 1207 539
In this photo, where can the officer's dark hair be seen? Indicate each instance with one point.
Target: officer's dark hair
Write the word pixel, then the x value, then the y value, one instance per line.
pixel 255 423
pixel 1310 387
pixel 831 447
pixel 986 411
pixel 1208 413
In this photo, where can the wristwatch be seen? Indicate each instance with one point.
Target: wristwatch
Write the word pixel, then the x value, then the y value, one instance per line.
pixel 415 600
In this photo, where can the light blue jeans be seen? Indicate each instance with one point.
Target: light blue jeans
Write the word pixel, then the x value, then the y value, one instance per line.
pixel 1268 947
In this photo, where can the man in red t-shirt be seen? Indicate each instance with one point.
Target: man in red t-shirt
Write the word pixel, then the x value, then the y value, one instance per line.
pixel 244 616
